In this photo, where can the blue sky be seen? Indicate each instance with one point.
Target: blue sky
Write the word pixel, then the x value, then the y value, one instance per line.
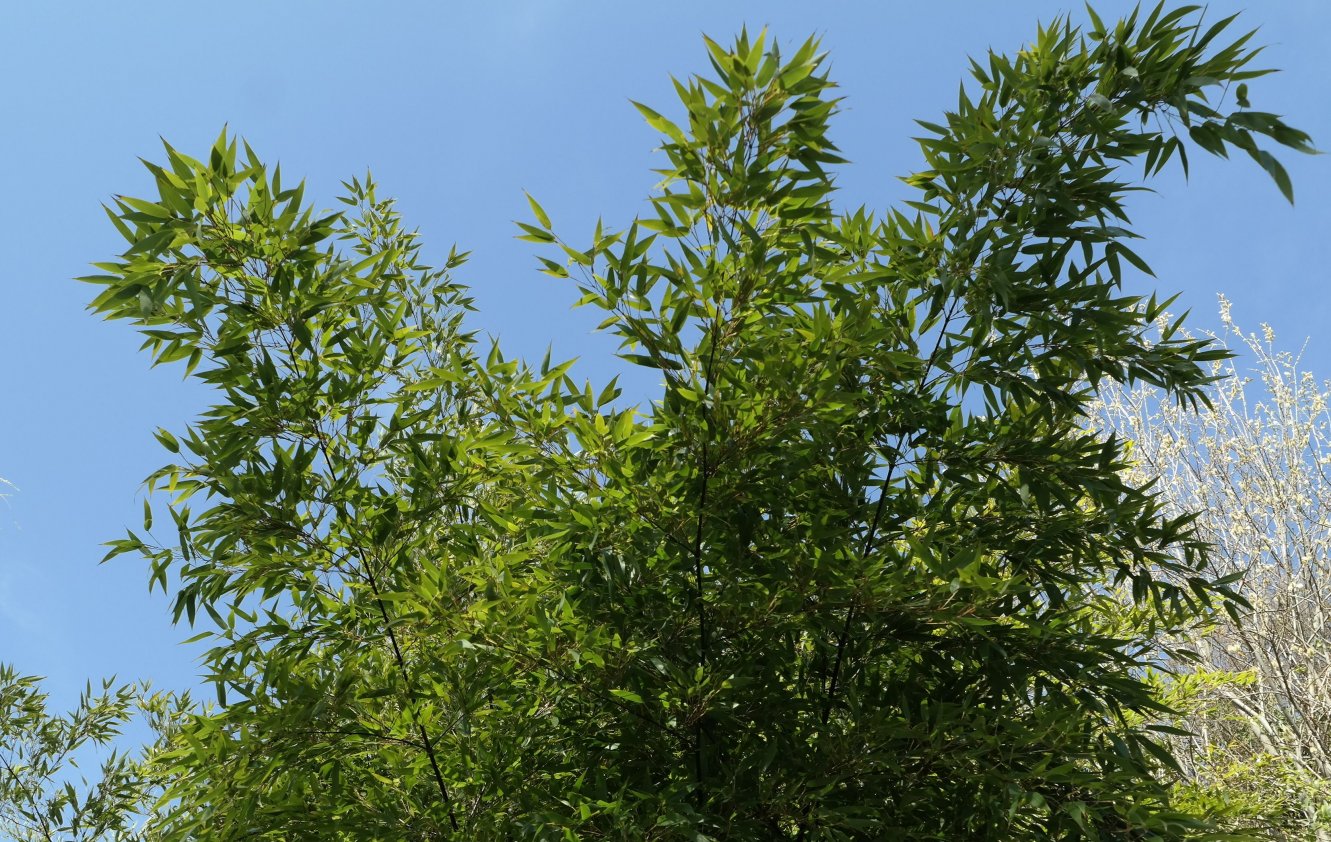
pixel 457 109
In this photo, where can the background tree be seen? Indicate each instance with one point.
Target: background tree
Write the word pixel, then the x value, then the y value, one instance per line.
pixel 43 794
pixel 842 577
pixel 1254 468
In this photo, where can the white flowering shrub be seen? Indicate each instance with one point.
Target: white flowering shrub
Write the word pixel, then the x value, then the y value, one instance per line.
pixel 1254 467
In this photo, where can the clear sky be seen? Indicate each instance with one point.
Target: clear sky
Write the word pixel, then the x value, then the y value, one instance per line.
pixel 457 108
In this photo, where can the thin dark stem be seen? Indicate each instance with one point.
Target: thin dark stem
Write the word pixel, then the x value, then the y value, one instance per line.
pixel 406 676
pixel 844 638
pixel 426 742
pixel 885 489
pixel 698 571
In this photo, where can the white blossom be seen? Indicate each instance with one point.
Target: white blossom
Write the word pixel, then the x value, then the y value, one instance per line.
pixel 1255 467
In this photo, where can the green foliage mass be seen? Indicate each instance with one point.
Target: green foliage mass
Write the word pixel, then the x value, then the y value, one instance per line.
pixel 1270 790
pixel 842 577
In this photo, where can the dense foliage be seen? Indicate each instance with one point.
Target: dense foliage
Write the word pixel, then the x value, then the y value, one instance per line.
pixel 842 577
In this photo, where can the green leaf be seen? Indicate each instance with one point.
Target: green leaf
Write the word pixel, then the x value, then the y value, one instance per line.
pixel 534 235
pixel 1277 172
pixel 538 212
pixel 167 440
